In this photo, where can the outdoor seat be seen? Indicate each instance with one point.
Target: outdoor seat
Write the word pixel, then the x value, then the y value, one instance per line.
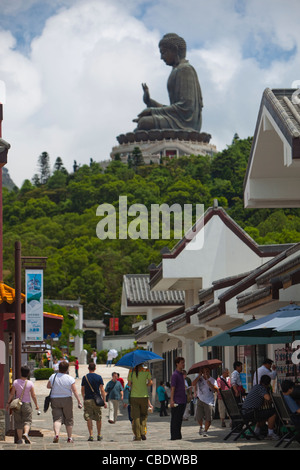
pixel 285 418
pixel 241 424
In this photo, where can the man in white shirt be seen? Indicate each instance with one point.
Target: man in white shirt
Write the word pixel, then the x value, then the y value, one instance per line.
pixel 206 386
pixel 268 368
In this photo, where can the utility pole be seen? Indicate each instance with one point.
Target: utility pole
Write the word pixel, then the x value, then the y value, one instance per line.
pixel 18 322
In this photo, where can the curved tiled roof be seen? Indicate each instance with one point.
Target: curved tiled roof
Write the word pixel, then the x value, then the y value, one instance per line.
pixel 7 294
pixel 137 290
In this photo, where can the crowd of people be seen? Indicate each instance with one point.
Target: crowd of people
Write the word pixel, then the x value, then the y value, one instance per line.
pixel 181 396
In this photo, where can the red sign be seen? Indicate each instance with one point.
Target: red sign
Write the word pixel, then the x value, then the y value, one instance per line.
pixel 113 324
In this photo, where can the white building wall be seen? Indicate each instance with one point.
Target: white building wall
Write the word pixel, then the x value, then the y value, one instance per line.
pixel 223 254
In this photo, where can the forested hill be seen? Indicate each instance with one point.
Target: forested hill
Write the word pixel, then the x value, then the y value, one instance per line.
pixel 54 215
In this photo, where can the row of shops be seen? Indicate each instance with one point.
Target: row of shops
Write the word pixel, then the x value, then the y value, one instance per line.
pixel 220 278
pixel 240 282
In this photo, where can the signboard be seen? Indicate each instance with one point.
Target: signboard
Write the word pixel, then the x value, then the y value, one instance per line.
pixel 34 324
pixel 113 324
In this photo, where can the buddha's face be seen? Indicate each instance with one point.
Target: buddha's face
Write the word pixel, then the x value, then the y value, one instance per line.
pixel 169 55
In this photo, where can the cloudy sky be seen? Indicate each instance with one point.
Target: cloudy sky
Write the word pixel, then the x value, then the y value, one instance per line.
pixel 73 69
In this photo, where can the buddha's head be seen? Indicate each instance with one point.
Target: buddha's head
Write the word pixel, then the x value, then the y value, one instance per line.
pixel 172 48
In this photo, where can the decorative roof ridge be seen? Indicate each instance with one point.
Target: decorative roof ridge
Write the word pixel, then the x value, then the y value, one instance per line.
pixel 280 111
pixel 8 294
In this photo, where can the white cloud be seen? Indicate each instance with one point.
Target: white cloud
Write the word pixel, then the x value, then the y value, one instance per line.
pixel 81 84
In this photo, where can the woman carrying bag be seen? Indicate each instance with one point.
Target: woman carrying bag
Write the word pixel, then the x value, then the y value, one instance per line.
pixel 23 390
pixel 61 400
pixel 139 379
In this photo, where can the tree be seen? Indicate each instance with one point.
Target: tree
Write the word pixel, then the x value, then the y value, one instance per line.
pixel 58 220
pixel 58 164
pixel 44 166
pixel 137 157
pixel 68 328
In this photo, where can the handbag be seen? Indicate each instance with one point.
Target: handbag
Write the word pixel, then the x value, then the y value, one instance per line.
pixel 47 399
pixel 97 398
pixel 17 402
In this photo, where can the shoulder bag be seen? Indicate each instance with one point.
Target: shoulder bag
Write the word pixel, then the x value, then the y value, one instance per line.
pixel 97 398
pixel 47 399
pixel 225 382
pixel 17 402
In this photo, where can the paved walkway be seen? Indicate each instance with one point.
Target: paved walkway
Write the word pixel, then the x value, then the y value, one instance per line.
pixel 118 437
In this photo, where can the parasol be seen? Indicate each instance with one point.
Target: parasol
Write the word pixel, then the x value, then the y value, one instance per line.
pixel 211 363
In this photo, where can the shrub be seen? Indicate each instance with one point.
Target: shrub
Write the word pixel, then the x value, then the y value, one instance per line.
pixel 43 374
pixel 102 356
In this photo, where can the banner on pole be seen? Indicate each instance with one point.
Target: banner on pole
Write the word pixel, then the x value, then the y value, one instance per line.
pixel 114 324
pixel 34 305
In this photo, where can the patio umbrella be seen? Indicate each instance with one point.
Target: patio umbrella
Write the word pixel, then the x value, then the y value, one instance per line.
pixel 271 325
pixel 293 325
pixel 225 339
pixel 211 363
pixel 139 356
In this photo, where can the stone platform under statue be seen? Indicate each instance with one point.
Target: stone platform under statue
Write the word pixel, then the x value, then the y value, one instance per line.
pixel 157 143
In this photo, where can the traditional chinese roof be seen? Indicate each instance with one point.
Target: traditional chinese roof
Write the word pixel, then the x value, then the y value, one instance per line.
pixel 137 290
pixel 7 294
pixel 273 172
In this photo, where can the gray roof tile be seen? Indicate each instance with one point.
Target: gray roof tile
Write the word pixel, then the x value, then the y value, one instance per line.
pixel 137 290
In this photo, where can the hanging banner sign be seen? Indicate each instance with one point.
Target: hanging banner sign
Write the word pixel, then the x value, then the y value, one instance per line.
pixel 34 305
pixel 113 324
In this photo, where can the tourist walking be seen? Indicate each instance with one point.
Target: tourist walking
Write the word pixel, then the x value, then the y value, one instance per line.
pixel 206 387
pixel 94 356
pixel 178 399
pixel 62 386
pixel 23 389
pixel 139 379
pixel 76 364
pixel 91 383
pixel 110 357
pixel 161 392
pixel 114 393
pixel 223 384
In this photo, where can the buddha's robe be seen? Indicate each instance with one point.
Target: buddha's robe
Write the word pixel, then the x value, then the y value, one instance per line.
pixel 185 109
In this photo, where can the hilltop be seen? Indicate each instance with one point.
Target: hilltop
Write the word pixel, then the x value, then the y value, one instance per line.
pixel 54 215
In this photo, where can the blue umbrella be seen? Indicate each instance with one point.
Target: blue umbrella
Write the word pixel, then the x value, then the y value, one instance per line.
pixel 293 325
pixel 139 356
pixel 271 325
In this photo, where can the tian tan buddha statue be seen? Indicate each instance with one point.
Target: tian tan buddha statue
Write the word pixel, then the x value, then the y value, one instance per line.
pixel 185 108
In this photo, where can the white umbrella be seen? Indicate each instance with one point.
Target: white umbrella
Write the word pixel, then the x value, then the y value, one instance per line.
pixel 113 353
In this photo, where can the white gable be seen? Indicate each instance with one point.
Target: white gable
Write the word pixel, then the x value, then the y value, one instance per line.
pixel 273 173
pixel 222 253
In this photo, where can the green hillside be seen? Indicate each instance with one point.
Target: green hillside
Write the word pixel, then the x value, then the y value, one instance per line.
pixel 54 215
